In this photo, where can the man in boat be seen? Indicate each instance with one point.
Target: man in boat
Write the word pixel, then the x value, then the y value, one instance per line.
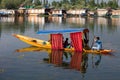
pixel 97 44
pixel 66 44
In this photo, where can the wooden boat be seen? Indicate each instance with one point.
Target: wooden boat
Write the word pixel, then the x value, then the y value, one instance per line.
pixel 42 44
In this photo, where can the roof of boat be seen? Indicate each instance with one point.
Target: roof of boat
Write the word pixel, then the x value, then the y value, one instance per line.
pixel 62 31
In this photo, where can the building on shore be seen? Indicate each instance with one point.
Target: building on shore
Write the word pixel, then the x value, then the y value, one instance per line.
pixel 116 13
pixel 103 12
pixel 78 12
pixel 6 12
pixel 59 12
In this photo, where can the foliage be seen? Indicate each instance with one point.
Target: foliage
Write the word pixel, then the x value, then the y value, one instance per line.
pixel 63 4
pixel 113 4
pixel 37 3
pixel 78 4
pixel 10 4
pixel 38 7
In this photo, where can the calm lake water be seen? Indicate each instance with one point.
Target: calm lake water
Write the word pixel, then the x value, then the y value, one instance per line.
pixel 40 65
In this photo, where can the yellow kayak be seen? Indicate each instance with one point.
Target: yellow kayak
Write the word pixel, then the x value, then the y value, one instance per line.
pixel 46 45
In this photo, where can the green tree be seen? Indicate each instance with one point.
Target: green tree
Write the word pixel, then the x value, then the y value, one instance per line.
pixel 64 4
pixel 0 1
pixel 73 2
pixel 11 4
pixel 113 4
pixel 56 4
pixel 37 2
pixel 91 4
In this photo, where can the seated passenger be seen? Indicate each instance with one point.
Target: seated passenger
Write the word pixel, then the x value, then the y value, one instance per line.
pixel 66 44
pixel 70 45
pixel 97 44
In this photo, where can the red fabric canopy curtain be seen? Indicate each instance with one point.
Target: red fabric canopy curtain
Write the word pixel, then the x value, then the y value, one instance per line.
pixel 57 41
pixel 76 39
pixel 76 61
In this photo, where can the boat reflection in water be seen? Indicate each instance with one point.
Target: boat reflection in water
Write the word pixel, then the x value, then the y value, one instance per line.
pixel 77 60
pixel 67 60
